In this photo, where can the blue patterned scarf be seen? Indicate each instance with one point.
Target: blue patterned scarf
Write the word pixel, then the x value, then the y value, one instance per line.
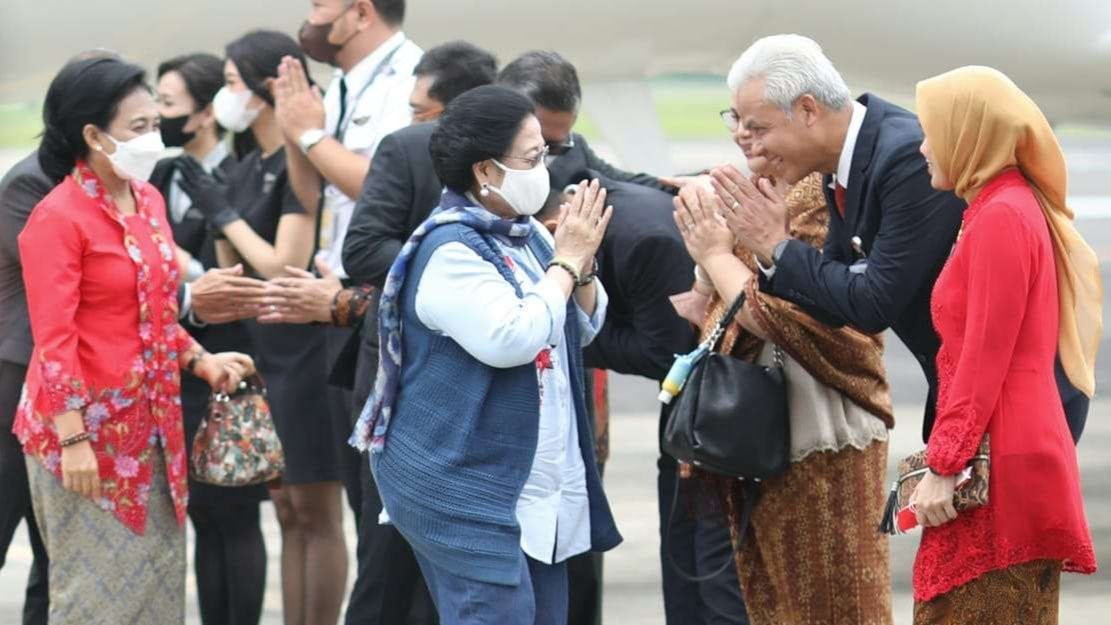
pixel 370 430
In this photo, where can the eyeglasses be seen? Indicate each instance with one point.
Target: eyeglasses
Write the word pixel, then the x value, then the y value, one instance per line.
pixel 559 149
pixel 532 161
pixel 731 119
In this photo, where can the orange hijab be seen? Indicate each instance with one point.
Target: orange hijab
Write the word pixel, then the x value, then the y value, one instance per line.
pixel 979 123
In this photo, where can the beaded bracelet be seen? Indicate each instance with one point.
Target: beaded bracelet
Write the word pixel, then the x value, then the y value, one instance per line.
pixel 566 266
pixel 69 441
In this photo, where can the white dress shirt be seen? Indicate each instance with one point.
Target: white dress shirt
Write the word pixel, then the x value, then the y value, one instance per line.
pixel 377 104
pixel 464 297
pixel 844 163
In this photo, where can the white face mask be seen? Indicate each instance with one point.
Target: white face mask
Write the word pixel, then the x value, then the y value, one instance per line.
pixel 231 109
pixel 525 190
pixel 135 158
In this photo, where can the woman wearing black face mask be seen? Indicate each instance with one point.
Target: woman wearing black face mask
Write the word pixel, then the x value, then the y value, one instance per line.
pixel 186 86
pixel 230 554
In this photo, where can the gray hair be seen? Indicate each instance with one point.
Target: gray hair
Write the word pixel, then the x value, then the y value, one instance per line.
pixel 791 66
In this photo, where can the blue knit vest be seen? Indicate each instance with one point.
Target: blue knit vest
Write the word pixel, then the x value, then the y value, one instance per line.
pixel 463 438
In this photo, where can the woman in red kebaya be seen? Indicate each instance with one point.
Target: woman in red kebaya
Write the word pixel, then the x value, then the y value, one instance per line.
pixel 100 420
pixel 1021 288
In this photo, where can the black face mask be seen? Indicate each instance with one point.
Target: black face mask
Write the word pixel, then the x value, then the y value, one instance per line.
pixel 313 39
pixel 173 131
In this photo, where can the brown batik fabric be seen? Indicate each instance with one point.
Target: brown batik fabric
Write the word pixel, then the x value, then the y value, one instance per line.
pixel 841 358
pixel 1024 594
pixel 813 554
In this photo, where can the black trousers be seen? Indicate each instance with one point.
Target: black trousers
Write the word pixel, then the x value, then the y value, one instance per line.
pixel 584 585
pixel 699 544
pixel 15 497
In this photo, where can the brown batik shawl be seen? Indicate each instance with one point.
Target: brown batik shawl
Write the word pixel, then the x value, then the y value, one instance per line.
pixel 842 358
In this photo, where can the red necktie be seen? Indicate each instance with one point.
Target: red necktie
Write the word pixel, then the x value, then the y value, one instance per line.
pixel 839 198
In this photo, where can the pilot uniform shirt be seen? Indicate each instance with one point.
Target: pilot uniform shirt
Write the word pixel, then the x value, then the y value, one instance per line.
pixel 374 101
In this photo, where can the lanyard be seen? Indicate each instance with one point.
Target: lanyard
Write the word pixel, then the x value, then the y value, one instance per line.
pixel 346 117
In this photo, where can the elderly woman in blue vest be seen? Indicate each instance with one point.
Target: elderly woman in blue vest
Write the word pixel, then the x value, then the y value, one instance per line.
pixel 478 426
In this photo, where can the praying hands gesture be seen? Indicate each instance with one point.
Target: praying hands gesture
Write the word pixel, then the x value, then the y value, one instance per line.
pixel 582 223
pixel 298 106
pixel 705 233
pixel 756 213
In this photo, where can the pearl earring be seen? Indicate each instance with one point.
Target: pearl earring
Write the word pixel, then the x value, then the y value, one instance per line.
pixel 485 192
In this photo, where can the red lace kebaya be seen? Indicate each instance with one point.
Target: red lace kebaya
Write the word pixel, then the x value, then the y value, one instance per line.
pixel 102 296
pixel 995 307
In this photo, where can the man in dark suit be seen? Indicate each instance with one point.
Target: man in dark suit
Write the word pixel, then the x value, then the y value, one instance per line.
pixel 890 232
pixel 552 83
pixel 642 261
pixel 20 190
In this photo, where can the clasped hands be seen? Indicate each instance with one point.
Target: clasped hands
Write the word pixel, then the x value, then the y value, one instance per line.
pixel 225 295
pixel 725 208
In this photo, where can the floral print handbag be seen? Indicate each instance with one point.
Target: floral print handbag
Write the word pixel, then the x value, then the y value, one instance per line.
pixel 236 444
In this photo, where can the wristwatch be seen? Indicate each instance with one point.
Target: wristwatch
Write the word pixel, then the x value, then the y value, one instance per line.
pixel 777 252
pixel 310 138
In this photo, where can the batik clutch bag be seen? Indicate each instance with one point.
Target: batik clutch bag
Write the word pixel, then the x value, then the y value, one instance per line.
pixel 237 444
pixel 971 491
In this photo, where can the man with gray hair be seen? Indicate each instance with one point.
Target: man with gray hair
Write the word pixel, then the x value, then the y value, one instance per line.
pixel 890 232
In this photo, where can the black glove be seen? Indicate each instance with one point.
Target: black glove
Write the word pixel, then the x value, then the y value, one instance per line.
pixel 209 194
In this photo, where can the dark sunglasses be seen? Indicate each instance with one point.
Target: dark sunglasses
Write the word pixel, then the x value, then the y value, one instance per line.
pixel 559 149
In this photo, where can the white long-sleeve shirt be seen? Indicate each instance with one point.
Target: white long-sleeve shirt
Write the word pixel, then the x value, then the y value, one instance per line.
pixel 377 104
pixel 464 297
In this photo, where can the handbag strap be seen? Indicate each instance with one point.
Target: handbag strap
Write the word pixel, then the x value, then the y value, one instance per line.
pixel 711 341
pixel 751 495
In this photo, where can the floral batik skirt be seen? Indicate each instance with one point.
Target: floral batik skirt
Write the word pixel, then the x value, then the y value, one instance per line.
pixel 1024 594
pixel 814 554
pixel 100 571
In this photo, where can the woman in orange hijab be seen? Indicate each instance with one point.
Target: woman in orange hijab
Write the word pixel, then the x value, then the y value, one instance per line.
pixel 1020 288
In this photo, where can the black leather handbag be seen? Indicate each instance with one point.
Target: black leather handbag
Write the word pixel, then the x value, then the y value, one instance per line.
pixel 730 418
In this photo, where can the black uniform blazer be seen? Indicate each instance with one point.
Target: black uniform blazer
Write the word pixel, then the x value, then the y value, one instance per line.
pixel 399 193
pixel 641 262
